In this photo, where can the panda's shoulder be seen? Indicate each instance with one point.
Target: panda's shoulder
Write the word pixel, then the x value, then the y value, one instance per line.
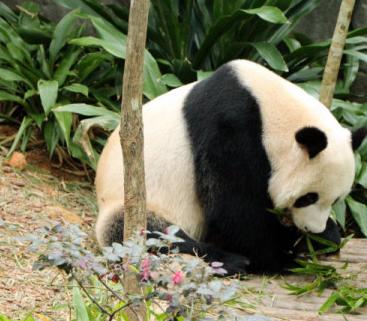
pixel 225 84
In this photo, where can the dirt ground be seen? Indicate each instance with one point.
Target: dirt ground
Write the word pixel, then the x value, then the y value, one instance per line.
pixel 31 199
pixel 41 195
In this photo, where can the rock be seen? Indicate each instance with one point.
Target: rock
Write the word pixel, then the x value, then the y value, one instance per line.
pixel 17 160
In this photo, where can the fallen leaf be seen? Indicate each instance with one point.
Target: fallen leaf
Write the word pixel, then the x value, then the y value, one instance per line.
pixel 60 213
pixel 42 317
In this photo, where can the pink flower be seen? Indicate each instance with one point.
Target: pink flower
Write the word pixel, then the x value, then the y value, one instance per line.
pixel 145 269
pixel 177 277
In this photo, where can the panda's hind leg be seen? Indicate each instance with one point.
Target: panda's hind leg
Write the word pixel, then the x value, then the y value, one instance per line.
pixel 110 225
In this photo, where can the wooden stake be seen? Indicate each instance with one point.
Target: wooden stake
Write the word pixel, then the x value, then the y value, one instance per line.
pixel 131 136
pixel 336 52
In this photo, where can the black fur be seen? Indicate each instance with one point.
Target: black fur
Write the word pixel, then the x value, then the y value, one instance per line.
pixel 313 139
pixel 210 253
pixel 114 231
pixel 358 136
pixel 306 200
pixel 232 173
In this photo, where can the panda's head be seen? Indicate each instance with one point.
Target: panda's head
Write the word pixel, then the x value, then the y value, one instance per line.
pixel 317 172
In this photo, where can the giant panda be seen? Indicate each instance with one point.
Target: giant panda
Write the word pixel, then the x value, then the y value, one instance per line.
pixel 220 154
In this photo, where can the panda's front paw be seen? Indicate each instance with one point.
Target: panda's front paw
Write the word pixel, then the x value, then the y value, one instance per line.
pixel 235 264
pixel 232 263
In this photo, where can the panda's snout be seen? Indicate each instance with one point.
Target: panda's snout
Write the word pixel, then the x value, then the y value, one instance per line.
pixel 311 219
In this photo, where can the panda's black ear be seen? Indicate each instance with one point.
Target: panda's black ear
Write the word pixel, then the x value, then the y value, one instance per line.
pixel 312 139
pixel 358 136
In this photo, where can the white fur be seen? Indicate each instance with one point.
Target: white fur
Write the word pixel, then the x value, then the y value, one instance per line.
pixel 168 168
pixel 285 108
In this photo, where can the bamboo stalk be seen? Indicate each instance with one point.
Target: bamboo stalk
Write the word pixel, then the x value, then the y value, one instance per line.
pixel 336 52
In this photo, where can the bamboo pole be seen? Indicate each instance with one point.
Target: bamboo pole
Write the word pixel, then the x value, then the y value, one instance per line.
pixel 336 52
pixel 131 136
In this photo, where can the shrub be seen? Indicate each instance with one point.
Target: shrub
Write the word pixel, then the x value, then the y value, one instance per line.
pixel 172 286
pixel 39 70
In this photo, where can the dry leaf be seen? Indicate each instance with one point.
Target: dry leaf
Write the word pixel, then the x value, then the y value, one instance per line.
pixel 42 317
pixel 60 213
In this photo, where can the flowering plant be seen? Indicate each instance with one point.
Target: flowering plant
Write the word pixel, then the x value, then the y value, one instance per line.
pixel 172 286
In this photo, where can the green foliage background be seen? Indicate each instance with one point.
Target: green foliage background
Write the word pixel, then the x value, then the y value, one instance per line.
pixel 63 81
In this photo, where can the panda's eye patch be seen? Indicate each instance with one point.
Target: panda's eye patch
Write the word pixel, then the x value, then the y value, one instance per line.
pixel 306 200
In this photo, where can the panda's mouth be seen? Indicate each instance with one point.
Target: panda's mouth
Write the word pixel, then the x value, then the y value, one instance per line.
pixel 286 218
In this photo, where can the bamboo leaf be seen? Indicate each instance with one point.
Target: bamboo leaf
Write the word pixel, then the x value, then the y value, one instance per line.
pixel 329 303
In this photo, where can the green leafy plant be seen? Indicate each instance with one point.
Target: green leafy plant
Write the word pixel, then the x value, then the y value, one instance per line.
pixel 35 73
pixel 39 70
pixel 187 37
pixel 345 294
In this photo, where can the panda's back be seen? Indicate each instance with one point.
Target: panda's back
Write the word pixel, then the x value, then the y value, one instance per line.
pixel 169 173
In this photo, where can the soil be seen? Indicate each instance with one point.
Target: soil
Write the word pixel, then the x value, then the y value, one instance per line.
pixel 38 196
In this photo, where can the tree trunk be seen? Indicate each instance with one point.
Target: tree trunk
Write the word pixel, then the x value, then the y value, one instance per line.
pixel 336 52
pixel 131 135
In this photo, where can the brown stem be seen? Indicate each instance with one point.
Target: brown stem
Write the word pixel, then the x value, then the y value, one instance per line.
pixel 336 52
pixel 101 308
